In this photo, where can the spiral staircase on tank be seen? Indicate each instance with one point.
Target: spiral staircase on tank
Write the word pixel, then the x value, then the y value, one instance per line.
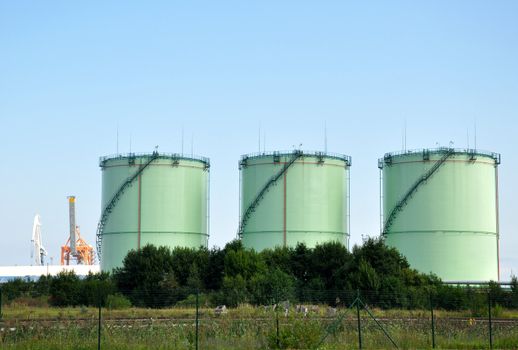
pixel 116 197
pixel 253 205
pixel 413 189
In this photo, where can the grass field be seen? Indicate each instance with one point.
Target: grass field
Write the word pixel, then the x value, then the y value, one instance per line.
pixel 246 327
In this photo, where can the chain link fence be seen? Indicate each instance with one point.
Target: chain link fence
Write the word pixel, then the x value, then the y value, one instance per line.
pixel 471 318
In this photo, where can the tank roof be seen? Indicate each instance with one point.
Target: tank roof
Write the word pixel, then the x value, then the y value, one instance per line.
pixel 343 157
pixel 172 156
pixel 471 152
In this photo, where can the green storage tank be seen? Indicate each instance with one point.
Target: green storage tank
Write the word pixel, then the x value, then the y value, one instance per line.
pixel 160 199
pixel 440 210
pixel 292 197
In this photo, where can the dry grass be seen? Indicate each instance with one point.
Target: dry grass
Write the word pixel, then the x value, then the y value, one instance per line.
pixel 246 327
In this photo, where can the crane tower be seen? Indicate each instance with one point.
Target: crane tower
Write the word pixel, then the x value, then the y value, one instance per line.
pixel 76 248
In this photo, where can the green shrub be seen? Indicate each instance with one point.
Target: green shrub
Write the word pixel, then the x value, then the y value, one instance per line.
pixel 190 301
pixel 15 289
pixel 497 311
pixel 117 302
pixel 41 301
pixel 298 334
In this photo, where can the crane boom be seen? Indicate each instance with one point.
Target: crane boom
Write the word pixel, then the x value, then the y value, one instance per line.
pixel 38 251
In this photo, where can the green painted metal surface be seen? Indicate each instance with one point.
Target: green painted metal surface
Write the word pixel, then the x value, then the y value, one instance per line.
pixel 449 224
pixel 167 205
pixel 309 203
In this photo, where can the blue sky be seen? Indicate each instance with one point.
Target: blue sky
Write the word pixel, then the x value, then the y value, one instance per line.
pixel 72 73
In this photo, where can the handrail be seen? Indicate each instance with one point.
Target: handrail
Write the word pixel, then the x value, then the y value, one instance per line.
pixel 440 150
pixel 400 204
pixel 178 156
pixel 111 204
pixel 246 216
pixel 331 155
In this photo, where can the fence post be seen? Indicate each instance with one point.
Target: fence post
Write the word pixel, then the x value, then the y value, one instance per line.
pixel 197 320
pixel 433 322
pixel 490 320
pixel 99 318
pixel 99 325
pixel 1 300
pixel 359 321
pixel 278 341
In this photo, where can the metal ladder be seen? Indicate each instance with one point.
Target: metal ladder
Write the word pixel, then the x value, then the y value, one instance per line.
pixel 111 204
pixel 400 204
pixel 251 208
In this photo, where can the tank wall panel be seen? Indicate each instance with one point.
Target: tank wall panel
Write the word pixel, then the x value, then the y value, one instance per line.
pixel 173 207
pixel 313 195
pixel 449 225
pixel 453 256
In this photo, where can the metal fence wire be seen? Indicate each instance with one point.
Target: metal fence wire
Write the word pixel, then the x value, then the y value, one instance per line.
pixel 476 318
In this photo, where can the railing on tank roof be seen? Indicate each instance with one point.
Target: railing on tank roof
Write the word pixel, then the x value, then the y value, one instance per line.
pixel 470 151
pixel 160 155
pixel 478 283
pixel 338 156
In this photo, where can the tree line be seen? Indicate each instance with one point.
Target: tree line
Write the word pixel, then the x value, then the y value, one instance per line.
pixel 327 274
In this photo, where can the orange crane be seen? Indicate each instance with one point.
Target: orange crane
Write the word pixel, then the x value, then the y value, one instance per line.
pixel 76 248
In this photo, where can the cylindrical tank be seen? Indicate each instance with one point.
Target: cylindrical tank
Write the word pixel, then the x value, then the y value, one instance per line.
pixel 440 210
pixel 159 199
pixel 292 197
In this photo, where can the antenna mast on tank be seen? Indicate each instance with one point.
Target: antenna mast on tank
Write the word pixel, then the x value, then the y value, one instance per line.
pixel 405 135
pixel 117 138
pixel 259 138
pixel 475 134
pixel 325 137
pixel 402 139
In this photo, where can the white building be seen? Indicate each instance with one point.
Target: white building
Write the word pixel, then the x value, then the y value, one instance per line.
pixel 8 273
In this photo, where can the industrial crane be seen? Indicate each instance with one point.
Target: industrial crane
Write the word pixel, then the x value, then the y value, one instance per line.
pixel 38 252
pixel 76 248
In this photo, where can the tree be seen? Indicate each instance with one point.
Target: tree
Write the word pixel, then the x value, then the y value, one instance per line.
pixel 328 261
pixel 301 263
pixel 514 291
pixel 145 275
pixel 272 287
pixel 245 263
pixel 385 260
pixel 234 290
pixel 64 289
pixel 182 260
pixel 278 258
pixel 16 288
pixel 213 274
